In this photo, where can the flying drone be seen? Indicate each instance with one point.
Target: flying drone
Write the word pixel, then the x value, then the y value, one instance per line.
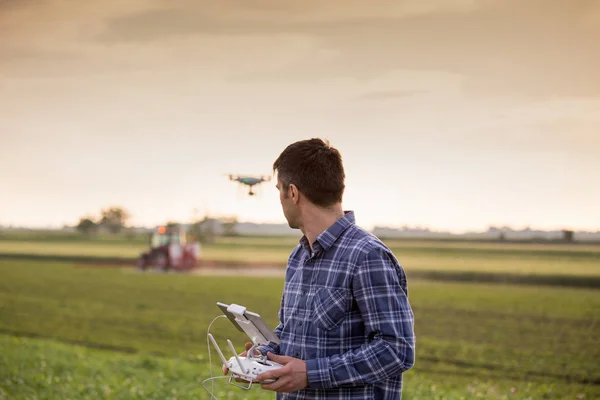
pixel 249 181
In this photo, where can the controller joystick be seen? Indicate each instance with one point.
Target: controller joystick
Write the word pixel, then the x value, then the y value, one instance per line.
pixel 246 368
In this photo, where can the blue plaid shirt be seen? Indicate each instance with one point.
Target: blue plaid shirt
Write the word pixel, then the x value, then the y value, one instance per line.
pixel 345 311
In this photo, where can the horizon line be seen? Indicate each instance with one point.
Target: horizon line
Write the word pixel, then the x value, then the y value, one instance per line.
pixel 403 228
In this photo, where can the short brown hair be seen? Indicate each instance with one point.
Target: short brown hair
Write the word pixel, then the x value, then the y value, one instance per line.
pixel 316 168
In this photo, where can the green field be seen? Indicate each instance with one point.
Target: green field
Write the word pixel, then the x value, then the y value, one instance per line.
pixel 81 332
pixel 417 257
pixel 70 329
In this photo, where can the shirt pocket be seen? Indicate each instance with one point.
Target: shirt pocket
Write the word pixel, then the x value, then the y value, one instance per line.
pixel 330 307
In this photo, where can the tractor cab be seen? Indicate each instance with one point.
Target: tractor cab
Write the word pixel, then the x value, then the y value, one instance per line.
pixel 163 237
pixel 169 249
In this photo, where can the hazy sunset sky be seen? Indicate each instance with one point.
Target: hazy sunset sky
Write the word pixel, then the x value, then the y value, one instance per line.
pixel 450 114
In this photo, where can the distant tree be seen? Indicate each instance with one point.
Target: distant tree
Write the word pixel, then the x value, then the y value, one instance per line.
pixel 203 230
pixel 173 224
pixel 114 219
pixel 229 224
pixel 86 226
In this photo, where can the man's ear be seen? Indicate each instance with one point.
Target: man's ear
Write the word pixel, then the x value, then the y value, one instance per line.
pixel 294 193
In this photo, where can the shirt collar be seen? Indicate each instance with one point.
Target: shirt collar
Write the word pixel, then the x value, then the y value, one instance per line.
pixel 328 237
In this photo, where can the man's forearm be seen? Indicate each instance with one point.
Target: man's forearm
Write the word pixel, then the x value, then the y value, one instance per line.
pixel 373 362
pixel 269 347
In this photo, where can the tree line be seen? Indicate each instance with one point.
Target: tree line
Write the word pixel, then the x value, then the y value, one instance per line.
pixel 116 220
pixel 112 220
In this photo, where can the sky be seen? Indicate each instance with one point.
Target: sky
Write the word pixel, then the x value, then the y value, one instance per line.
pixel 450 114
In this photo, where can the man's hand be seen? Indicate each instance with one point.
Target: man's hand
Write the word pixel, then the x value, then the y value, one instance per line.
pixel 243 354
pixel 291 377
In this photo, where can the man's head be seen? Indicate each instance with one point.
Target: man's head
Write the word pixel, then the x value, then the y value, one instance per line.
pixel 309 173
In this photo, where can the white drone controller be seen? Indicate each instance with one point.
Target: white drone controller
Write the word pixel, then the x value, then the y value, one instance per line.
pixel 246 368
pixel 249 367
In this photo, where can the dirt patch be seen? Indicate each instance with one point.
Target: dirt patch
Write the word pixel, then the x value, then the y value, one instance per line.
pixel 228 270
pixel 203 266
pixel 240 271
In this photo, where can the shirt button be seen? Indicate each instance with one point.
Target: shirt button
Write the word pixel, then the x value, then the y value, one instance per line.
pixel 296 355
pixel 300 323
pixel 304 292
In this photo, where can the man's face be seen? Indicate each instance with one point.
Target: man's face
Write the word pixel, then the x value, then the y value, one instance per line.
pixel 290 210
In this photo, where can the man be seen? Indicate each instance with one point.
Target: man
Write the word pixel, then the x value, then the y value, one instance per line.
pixel 345 323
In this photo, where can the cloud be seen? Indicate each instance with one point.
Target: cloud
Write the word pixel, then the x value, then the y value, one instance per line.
pixel 566 126
pixel 511 48
pixel 504 51
pixel 382 95
pixel 259 17
pixel 30 55
pixel 8 5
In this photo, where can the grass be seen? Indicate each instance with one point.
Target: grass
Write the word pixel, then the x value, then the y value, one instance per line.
pixel 45 369
pixel 145 335
pixel 32 368
pixel 416 256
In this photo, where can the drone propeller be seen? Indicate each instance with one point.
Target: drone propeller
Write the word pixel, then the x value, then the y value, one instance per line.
pixel 240 192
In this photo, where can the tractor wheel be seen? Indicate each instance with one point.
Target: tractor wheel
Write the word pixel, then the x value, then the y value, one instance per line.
pixel 161 263
pixel 188 263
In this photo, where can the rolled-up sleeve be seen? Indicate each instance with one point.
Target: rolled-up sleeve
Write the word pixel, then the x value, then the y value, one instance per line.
pixel 379 288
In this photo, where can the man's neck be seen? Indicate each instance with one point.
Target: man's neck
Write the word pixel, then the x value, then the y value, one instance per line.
pixel 317 220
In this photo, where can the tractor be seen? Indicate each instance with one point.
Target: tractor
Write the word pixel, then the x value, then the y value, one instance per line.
pixel 169 250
